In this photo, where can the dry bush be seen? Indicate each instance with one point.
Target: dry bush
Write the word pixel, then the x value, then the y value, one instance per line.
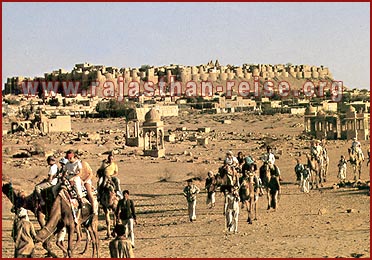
pixel 166 176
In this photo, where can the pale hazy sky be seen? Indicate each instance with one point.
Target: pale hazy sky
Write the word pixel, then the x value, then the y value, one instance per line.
pixel 41 37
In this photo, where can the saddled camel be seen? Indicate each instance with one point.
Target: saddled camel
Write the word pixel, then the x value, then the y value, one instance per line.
pixel 249 194
pixel 226 177
pixel 274 190
pixel 109 201
pixel 356 161
pixel 271 185
pixel 62 212
pixel 315 167
pixel 20 199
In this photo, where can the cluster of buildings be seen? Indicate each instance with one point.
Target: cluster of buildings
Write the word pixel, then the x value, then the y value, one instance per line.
pixel 323 118
pixel 87 73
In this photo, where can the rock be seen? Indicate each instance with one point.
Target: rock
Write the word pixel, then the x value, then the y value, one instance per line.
pixel 322 211
pixel 23 154
pixel 350 210
pixel 94 137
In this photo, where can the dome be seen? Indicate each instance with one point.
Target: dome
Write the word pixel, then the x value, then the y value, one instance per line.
pixel 351 109
pixel 310 110
pixel 321 113
pixel 132 115
pixel 152 116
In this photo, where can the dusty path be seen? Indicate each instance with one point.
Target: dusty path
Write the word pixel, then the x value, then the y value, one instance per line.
pixel 305 225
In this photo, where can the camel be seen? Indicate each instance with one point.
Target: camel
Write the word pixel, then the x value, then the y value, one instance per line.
pixel 356 161
pixel 315 168
pixel 249 194
pixel 226 177
pixel 274 190
pixel 19 199
pixel 270 181
pixel 109 202
pixel 62 212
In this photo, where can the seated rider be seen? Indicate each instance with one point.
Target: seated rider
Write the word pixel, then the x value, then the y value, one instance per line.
pixel 299 169
pixel 355 144
pixel 110 170
pixel 61 172
pixel 86 176
pixel 73 171
pixel 316 150
pixel 231 160
pixel 250 168
pixel 269 158
pixel 51 180
pixel 356 147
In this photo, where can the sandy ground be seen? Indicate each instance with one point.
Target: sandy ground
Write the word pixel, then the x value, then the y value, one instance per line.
pixel 305 225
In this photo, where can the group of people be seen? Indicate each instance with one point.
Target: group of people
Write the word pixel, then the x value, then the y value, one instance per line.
pixel 319 152
pixel 247 171
pixel 77 176
pixel 24 235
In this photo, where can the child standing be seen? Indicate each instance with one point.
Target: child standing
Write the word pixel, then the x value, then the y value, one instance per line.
pixel 342 169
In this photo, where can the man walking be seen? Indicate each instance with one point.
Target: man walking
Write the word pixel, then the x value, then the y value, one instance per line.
pixel 120 247
pixel 23 234
pixel 125 212
pixel 190 192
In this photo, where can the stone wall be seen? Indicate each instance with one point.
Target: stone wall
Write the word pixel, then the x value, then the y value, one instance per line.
pixel 86 73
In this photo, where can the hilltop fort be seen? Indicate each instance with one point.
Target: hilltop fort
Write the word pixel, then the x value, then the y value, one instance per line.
pixel 214 72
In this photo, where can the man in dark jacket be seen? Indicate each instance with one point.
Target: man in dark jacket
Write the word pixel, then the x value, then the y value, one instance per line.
pixel 125 212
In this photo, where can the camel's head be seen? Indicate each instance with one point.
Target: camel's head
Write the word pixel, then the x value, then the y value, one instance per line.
pixel 16 198
pixel 7 189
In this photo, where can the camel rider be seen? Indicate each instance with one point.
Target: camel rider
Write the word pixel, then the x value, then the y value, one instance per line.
pixel 61 173
pixel 299 168
pixel 356 147
pixel 231 160
pixel 250 168
pixel 73 171
pixel 110 170
pixel 355 144
pixel 316 150
pixel 324 149
pixel 51 180
pixel 86 176
pixel 63 163
pixel 269 157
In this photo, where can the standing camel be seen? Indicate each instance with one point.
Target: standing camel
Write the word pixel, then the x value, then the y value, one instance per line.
pixel 270 181
pixel 249 194
pixel 19 199
pixel 62 212
pixel 315 168
pixel 109 202
pixel 227 177
pixel 356 161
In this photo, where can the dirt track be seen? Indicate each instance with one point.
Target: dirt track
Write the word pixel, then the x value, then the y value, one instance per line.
pixel 305 225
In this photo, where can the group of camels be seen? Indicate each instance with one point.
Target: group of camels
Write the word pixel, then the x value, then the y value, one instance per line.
pixel 319 166
pixel 57 212
pixel 250 185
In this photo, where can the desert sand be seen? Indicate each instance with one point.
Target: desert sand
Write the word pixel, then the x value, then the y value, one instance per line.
pixel 328 222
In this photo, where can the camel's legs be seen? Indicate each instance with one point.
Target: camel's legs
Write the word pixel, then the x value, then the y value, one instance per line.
pixel 70 230
pixel 108 222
